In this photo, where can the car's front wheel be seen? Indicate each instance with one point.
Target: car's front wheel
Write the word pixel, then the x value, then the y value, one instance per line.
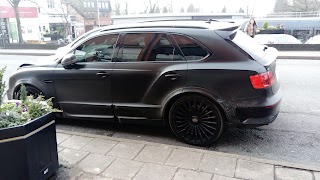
pixel 196 120
pixel 31 91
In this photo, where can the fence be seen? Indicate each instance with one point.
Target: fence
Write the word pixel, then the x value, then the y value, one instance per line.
pixel 292 35
pixel 294 14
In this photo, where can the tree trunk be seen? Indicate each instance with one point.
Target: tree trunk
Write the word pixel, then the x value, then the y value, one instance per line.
pixel 16 12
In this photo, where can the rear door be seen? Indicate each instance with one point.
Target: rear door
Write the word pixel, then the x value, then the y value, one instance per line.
pixel 150 67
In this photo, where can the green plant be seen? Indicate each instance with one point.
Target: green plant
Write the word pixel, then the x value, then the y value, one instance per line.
pixel 265 25
pixel 15 113
pixel 2 84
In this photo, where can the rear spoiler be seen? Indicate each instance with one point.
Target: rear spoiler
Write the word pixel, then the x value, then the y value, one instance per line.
pixel 226 32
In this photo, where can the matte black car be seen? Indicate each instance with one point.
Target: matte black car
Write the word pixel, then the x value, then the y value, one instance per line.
pixel 197 76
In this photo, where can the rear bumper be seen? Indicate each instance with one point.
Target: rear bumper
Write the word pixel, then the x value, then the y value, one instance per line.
pixel 259 116
pixel 258 111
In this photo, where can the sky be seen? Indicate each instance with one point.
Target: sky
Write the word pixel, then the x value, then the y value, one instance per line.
pixel 256 7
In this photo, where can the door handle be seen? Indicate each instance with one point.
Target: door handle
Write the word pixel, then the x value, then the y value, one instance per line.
pixel 172 76
pixel 103 74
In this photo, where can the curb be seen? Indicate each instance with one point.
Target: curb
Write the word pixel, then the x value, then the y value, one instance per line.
pixel 299 57
pixel 196 149
pixel 27 54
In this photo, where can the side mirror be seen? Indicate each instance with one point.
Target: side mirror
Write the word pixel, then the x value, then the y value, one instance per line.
pixel 68 60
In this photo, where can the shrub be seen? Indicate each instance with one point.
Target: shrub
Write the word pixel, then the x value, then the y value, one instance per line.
pixel 265 25
pixel 15 113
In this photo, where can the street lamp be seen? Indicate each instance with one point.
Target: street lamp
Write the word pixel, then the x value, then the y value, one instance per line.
pixel 98 12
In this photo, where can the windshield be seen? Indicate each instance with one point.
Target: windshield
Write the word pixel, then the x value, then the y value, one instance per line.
pixel 249 45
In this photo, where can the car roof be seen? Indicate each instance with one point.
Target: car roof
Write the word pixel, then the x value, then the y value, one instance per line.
pixel 196 24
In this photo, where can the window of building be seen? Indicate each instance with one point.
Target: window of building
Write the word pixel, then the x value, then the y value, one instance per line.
pixel 148 47
pixel 92 4
pixel 99 49
pixel 44 28
pixel 190 49
pixel 39 28
pixel 84 4
pixel 51 4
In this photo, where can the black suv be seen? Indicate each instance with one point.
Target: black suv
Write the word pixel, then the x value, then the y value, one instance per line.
pixel 197 76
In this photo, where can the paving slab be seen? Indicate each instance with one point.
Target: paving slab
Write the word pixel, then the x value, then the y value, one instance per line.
pixel 126 150
pixel 155 172
pixel 185 174
pixel 92 177
pixel 62 137
pixel 184 159
pixel 316 175
pixel 154 154
pixel 66 173
pixel 76 142
pixel 95 164
pixel 283 173
pixel 254 170
pixel 70 157
pixel 218 177
pixel 60 148
pixel 122 169
pixel 218 165
pixel 100 146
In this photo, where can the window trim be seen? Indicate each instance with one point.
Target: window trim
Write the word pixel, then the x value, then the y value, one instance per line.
pixel 209 53
pixel 115 52
pixel 170 38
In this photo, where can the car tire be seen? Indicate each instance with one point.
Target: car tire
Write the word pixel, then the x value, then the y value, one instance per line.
pixel 31 90
pixel 196 120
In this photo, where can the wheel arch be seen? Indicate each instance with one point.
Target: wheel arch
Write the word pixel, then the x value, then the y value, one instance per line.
pixel 200 92
pixel 36 85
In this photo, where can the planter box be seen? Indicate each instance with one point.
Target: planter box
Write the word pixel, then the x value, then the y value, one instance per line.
pixel 29 151
pixel 276 31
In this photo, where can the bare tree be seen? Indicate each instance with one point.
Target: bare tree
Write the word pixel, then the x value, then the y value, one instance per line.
pixel 126 11
pixel 191 8
pixel 157 9
pixel 117 8
pixel 62 8
pixel 224 9
pixel 281 6
pixel 305 5
pixel 152 5
pixel 165 10
pixel 182 10
pixel 15 5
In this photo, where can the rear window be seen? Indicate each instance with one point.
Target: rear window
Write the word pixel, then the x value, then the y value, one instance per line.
pixel 248 44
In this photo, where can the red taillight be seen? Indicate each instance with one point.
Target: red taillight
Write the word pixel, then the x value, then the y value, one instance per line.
pixel 263 80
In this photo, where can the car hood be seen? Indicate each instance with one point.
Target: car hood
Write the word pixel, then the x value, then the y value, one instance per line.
pixel 42 62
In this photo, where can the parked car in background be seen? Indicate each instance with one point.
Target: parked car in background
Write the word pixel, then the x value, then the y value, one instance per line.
pixel 197 76
pixel 314 40
pixel 276 39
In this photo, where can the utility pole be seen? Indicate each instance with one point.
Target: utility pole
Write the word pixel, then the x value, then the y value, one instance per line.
pixel 98 12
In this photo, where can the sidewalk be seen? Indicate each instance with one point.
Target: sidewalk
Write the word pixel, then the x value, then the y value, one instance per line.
pixel 310 55
pixel 84 156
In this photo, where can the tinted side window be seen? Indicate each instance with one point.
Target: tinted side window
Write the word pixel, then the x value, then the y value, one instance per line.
pixel 190 49
pixel 97 49
pixel 149 47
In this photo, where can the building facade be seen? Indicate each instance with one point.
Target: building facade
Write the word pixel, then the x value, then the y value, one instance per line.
pixel 64 18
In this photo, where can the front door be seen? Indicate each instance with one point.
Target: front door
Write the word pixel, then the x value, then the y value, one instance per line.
pixel 149 68
pixel 83 90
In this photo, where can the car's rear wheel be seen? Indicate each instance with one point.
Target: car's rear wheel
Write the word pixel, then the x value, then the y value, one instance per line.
pixel 196 120
pixel 31 90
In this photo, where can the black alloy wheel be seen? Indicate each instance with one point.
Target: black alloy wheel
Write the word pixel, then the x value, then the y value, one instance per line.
pixel 196 120
pixel 31 90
